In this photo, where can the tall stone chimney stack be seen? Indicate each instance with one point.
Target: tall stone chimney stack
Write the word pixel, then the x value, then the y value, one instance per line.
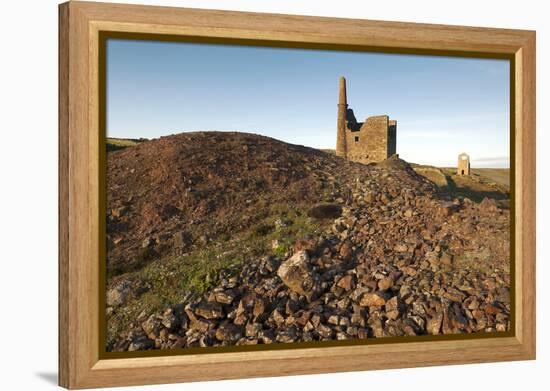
pixel 341 147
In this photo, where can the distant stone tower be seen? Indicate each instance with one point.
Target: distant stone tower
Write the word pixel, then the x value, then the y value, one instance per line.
pixel 364 142
pixel 463 167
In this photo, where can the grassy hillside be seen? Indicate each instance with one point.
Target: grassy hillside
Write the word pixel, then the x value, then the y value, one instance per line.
pixel 115 144
pixel 482 183
pixel 497 175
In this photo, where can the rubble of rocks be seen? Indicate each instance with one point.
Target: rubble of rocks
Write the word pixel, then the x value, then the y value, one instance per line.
pixel 400 260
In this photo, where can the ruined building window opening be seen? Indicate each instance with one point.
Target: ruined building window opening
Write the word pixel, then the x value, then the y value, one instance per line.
pixel 356 139
pixel 462 172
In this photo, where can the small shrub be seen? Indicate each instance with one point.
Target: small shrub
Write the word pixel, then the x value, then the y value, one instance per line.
pixel 325 211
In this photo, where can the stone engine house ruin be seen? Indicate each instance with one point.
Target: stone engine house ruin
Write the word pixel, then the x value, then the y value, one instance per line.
pixel 364 142
pixel 463 167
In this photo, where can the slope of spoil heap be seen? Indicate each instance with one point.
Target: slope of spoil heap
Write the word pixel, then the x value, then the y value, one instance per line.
pixel 395 258
pixel 188 189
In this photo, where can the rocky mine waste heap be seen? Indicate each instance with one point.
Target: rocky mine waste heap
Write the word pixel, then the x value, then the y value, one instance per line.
pixel 396 258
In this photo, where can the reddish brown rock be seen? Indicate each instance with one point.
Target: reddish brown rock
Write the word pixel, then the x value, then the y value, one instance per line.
pixel 229 332
pixel 348 282
pixel 385 283
pixel 298 275
pixel 306 244
pixel 434 323
pixel 372 299
pixel 209 310
pixel 346 250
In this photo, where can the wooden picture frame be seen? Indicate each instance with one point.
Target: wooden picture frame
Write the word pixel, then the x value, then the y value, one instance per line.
pixel 81 364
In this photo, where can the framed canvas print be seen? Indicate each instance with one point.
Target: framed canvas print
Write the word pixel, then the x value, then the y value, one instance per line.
pixel 248 195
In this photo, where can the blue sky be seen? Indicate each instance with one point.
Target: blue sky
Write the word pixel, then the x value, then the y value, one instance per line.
pixel 443 106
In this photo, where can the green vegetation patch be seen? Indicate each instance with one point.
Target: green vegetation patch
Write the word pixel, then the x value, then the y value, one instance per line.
pixel 115 144
pixel 167 281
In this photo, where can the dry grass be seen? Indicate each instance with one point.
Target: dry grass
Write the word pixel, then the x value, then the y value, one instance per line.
pixel 433 174
pixel 483 182
pixel 115 144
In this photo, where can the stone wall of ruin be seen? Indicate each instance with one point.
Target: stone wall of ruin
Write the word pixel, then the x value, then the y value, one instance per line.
pixel 463 167
pixel 370 143
pixel 364 142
